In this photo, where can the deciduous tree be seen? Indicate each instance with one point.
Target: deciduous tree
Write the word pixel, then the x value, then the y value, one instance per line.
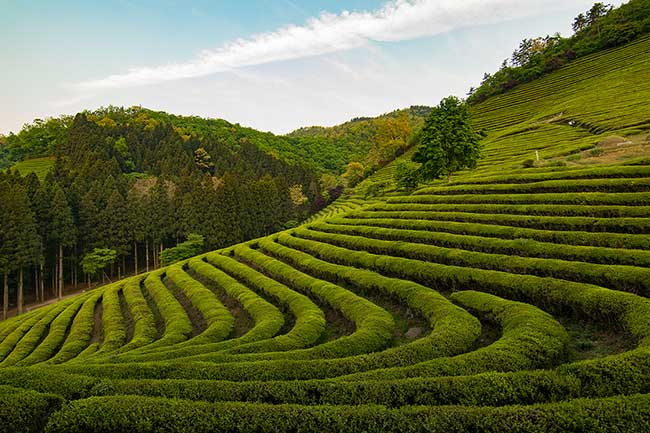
pixel 449 142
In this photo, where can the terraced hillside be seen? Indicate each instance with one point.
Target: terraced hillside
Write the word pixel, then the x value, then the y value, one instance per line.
pixel 512 300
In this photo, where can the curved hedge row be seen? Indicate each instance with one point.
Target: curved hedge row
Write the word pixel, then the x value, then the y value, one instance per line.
pixel 25 411
pixel 581 238
pixel 579 185
pixel 530 339
pixel 626 278
pixel 397 230
pixel 81 331
pixel 568 198
pixel 26 338
pixel 144 322
pixel 143 414
pixel 617 225
pixel 218 318
pixel 595 211
pixel 566 174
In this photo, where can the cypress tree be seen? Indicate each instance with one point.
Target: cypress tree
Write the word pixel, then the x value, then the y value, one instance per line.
pixel 114 225
pixel 23 236
pixel 62 229
pixel 137 222
pixel 42 204
pixel 7 235
pixel 158 210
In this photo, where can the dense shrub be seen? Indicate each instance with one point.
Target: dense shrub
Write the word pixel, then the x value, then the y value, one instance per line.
pixel 140 414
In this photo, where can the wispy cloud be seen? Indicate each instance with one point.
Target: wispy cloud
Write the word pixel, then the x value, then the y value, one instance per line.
pixel 397 20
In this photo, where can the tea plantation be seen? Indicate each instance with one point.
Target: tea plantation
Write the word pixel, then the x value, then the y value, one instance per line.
pixel 513 299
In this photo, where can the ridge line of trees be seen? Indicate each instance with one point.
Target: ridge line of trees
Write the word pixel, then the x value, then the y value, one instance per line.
pixel 127 181
pixel 599 28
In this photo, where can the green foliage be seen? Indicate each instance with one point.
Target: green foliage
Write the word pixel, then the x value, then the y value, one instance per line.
pixel 528 163
pixel 19 238
pixel 623 278
pixel 190 248
pixel 25 411
pixel 40 166
pixel 600 28
pixel 203 160
pixel 406 175
pixel 177 325
pixel 113 321
pixel 80 332
pixel 219 321
pixel 98 260
pixel 448 141
pixel 61 229
pixel 354 173
pixel 371 141
pixel 37 139
pixel 142 414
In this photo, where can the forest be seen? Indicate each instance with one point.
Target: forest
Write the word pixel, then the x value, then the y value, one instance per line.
pixel 131 181
pixel 136 182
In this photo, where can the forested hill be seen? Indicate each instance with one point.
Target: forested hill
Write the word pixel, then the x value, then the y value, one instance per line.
pixel 601 27
pixel 143 140
pixel 159 143
pixel 137 181
pixel 370 141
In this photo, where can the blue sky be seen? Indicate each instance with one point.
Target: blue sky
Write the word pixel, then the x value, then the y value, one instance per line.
pixel 270 64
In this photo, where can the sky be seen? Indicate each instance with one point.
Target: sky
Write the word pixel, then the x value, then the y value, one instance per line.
pixel 275 65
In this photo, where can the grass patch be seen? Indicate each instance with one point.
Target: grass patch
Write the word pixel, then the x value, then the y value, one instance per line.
pixel 40 166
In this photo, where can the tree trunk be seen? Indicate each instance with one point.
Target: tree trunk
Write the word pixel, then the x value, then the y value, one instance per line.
pixel 135 257
pixel 60 291
pixel 124 265
pixel 42 281
pixel 5 296
pixel 146 252
pixel 448 177
pixel 20 291
pixel 36 297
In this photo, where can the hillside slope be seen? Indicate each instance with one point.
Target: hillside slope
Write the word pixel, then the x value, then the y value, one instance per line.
pixel 514 299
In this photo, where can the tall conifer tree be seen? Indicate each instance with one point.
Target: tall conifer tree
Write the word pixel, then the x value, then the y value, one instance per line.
pixel 62 230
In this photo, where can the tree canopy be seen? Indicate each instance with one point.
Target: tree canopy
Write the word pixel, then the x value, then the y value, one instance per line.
pixel 448 141
pixel 190 248
pixel 98 260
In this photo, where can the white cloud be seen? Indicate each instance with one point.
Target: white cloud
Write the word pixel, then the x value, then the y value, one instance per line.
pixel 397 20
